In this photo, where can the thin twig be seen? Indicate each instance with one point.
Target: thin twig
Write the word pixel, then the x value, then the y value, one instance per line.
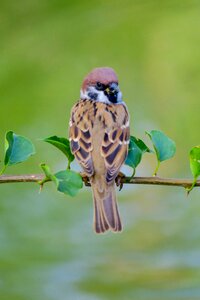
pixel 21 178
pixel 126 180
pixel 161 181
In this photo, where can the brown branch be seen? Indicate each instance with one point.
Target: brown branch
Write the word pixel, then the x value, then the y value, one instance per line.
pixel 21 178
pixel 161 181
pixel 127 180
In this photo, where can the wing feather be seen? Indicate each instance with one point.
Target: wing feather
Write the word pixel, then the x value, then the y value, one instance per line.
pixel 87 118
pixel 81 143
pixel 114 150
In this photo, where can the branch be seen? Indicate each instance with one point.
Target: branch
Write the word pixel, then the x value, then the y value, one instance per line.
pixel 21 178
pixel 127 180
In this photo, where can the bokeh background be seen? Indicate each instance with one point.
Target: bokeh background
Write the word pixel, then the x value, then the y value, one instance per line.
pixel 47 246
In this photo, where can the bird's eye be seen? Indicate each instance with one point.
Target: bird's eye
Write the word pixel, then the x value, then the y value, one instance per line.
pixel 99 86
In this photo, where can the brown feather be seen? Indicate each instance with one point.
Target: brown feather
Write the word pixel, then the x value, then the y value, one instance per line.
pixel 104 75
pixel 106 215
pixel 99 136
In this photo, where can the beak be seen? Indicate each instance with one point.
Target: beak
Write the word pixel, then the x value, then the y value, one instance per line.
pixel 112 89
pixel 111 92
pixel 108 90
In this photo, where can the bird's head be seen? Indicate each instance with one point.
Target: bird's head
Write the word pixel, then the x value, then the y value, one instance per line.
pixel 101 85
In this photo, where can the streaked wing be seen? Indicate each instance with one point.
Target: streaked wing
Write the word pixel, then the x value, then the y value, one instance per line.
pixel 80 141
pixel 114 150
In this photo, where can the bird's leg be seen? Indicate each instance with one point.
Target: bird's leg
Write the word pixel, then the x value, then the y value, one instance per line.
pixel 119 181
pixel 85 178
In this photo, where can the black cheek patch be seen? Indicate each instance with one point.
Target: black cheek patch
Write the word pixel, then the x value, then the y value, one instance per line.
pixel 112 97
pixel 92 95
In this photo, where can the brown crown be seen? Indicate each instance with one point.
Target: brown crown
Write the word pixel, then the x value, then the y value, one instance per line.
pixel 103 75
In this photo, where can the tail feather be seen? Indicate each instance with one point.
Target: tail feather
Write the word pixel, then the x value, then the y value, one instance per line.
pixel 106 214
pixel 100 223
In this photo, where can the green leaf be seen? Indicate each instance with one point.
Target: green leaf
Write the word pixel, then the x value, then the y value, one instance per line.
pixel 66 181
pixel 63 145
pixel 17 149
pixel 165 147
pixel 194 164
pixel 69 182
pixel 136 149
pixel 195 161
pixel 143 147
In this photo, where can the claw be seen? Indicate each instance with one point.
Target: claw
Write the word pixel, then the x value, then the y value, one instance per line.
pixel 119 181
pixel 85 178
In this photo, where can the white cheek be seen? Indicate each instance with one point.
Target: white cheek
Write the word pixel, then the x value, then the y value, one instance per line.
pixel 83 94
pixel 102 97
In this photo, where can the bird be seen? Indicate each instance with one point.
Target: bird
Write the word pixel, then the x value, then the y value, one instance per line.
pixel 99 134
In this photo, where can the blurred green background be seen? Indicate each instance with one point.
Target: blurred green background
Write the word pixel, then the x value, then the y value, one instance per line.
pixel 47 246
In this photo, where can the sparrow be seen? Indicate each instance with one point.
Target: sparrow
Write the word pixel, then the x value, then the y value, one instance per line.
pixel 99 137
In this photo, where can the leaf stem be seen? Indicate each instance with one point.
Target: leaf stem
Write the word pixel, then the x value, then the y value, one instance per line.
pixel 48 175
pixel 68 165
pixel 133 174
pixel 156 169
pixel 188 189
pixel 3 170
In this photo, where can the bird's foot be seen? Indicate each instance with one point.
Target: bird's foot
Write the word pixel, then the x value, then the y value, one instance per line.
pixel 85 178
pixel 119 180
